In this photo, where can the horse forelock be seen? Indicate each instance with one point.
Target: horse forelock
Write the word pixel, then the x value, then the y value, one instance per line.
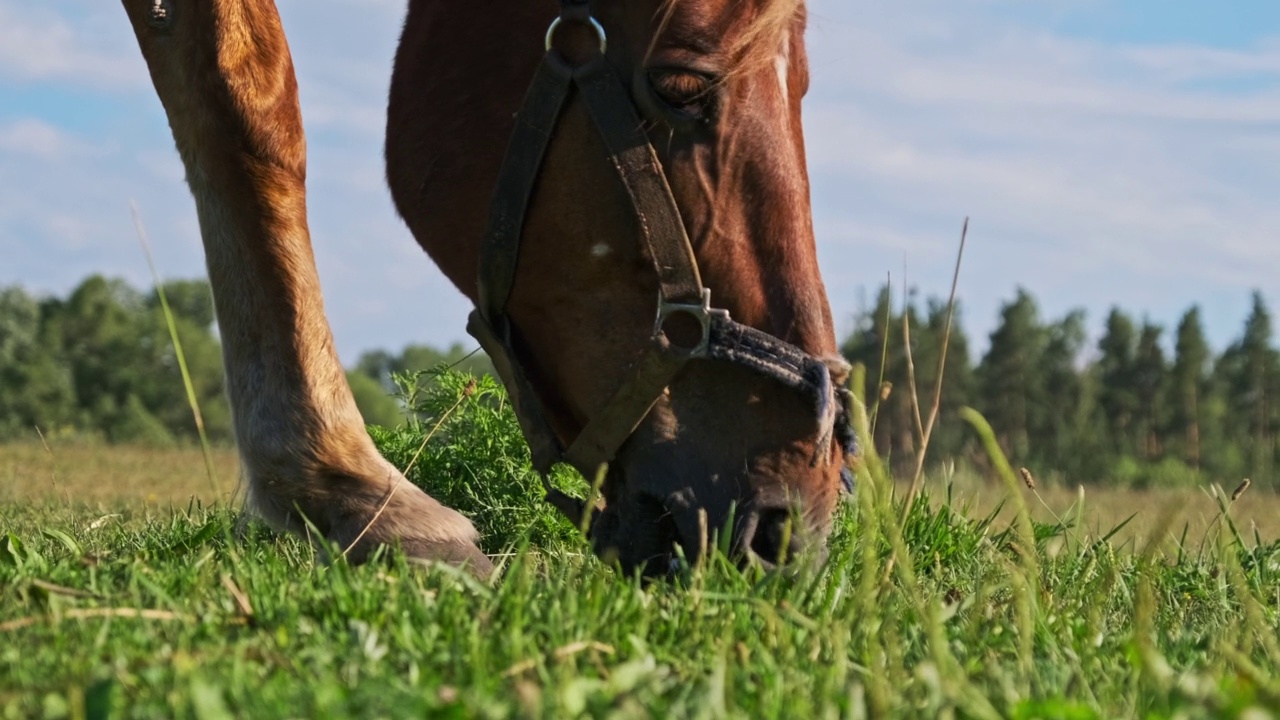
pixel 760 41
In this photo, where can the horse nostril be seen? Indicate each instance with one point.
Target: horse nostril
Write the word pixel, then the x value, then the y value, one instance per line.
pixel 777 536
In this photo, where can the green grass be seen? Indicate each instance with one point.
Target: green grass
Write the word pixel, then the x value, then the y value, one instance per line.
pixel 947 614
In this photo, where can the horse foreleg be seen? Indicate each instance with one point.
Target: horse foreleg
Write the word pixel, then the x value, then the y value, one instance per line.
pixel 223 72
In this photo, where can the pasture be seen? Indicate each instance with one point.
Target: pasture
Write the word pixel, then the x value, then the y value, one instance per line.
pixel 127 588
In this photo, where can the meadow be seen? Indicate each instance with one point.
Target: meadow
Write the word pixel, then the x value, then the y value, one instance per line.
pixel 130 587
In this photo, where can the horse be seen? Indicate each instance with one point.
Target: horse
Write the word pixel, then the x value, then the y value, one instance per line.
pixel 620 189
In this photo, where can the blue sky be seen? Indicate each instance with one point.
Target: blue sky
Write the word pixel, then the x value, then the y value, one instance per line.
pixel 1108 152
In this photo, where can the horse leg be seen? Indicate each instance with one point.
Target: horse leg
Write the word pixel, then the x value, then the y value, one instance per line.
pixel 223 72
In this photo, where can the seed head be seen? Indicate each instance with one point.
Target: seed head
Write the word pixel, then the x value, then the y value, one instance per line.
pixel 1240 490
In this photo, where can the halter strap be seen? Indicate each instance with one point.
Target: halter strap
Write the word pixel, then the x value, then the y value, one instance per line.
pixel 667 244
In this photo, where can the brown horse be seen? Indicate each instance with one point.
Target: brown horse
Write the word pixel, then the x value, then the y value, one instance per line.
pixel 657 153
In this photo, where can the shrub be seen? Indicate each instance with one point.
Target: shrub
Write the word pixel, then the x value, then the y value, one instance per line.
pixel 474 459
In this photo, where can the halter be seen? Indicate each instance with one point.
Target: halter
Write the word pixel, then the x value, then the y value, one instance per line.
pixel 680 288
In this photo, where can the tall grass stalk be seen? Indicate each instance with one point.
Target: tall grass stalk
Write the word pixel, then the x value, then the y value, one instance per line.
pixel 192 400
pixel 881 391
pixel 926 429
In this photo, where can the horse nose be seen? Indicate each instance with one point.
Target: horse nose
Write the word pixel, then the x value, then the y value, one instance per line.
pixel 769 534
pixel 776 536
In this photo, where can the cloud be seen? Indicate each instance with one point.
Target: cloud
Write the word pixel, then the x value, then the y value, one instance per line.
pixel 64 41
pixel 35 138
pixel 1096 172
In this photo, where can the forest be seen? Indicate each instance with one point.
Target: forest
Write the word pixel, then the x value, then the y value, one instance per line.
pixel 1141 406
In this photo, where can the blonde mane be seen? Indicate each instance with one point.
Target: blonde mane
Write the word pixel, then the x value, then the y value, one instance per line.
pixel 758 44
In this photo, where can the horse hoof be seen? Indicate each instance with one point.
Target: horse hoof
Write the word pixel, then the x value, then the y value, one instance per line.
pixel 417 523
pixel 459 554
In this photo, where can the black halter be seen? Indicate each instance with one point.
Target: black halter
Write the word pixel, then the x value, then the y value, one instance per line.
pixel 680 288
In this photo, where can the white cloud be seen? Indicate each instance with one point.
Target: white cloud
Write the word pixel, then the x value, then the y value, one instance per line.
pixel 1096 173
pixel 1181 63
pixel 36 138
pixel 66 41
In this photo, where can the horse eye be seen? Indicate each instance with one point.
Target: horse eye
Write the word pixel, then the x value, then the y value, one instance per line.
pixel 684 91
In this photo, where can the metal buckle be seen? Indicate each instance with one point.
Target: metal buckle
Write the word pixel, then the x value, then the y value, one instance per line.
pixel 702 313
pixel 595 26
pixel 160 14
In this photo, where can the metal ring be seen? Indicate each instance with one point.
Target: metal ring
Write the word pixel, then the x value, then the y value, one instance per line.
pixel 595 25
pixel 702 313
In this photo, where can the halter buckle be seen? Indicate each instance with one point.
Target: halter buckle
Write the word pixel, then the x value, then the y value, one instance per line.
pixel 702 313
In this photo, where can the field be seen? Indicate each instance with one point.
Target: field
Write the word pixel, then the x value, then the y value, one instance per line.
pixel 128 589
pixel 109 478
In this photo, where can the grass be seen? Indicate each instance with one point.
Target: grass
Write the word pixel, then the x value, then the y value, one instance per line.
pixel 1159 514
pixel 79 473
pixel 136 611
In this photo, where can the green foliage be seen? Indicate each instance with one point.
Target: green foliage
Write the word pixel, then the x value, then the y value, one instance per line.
pixel 384 367
pixel 133 423
pixel 476 461
pixel 101 363
pixel 1010 373
pixel 1189 389
pixel 191 300
pixel 376 406
pixel 37 389
pixel 1249 376
pixel 1118 392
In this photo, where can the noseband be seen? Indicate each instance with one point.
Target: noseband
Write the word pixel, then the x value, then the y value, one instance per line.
pixel 680 288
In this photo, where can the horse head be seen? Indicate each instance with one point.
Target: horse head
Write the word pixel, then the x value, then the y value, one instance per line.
pixel 659 309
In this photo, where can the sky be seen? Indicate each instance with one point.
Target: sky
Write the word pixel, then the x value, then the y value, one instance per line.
pixel 1122 152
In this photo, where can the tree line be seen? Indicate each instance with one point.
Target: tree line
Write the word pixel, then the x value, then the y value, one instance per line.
pixel 100 364
pixel 1129 409
pixel 1132 408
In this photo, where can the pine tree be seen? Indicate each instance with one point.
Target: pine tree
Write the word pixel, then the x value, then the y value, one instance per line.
pixel 1009 375
pixel 958 381
pixel 1250 373
pixel 1058 426
pixel 1150 375
pixel 876 343
pixel 1188 386
pixel 1117 394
